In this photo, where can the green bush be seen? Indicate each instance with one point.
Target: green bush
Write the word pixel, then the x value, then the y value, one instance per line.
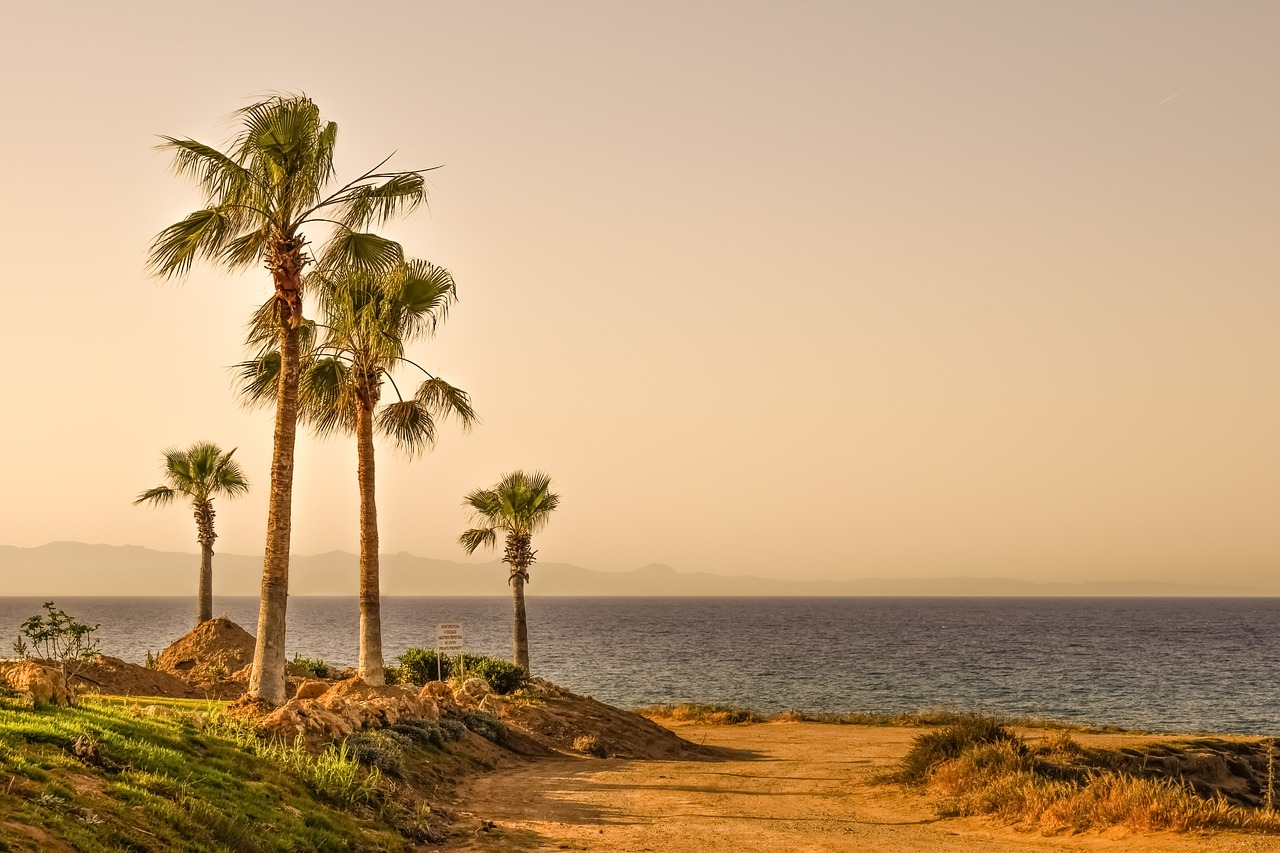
pixel 487 726
pixel 382 749
pixel 312 666
pixel 950 742
pixel 424 734
pixel 418 666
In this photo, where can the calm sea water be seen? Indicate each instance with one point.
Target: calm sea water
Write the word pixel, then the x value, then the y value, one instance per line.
pixel 1161 664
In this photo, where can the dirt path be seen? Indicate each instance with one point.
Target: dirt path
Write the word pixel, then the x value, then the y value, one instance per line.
pixel 798 787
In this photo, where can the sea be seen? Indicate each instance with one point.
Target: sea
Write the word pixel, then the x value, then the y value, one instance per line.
pixel 1157 664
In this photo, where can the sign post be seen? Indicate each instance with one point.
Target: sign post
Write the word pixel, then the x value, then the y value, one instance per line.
pixel 448 639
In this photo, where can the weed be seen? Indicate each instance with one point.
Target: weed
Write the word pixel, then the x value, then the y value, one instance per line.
pixel 948 743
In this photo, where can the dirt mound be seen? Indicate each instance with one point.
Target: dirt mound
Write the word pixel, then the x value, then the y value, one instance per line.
pixel 210 651
pixel 557 718
pixel 115 677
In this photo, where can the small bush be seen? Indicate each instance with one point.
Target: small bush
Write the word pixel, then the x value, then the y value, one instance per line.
pixel 423 734
pixel 418 666
pixel 452 728
pixel 487 726
pixel 381 749
pixel 312 666
pixel 933 748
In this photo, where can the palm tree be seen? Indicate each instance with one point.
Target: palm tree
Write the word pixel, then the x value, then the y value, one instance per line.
pixel 368 319
pixel 201 473
pixel 520 504
pixel 274 181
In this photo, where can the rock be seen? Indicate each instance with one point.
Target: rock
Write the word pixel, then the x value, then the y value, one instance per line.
pixel 311 689
pixel 473 692
pixel 44 685
pixel 437 693
pixel 346 707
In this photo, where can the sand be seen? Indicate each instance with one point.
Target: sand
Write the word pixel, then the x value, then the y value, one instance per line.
pixel 798 787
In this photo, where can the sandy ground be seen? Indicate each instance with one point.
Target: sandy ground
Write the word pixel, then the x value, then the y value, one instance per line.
pixel 797 787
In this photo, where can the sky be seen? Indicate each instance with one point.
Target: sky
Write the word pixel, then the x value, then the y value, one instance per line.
pixel 793 289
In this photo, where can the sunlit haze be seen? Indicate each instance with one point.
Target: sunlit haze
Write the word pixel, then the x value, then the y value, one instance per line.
pixel 798 290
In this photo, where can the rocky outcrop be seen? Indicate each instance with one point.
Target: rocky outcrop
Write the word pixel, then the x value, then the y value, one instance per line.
pixel 347 707
pixel 36 683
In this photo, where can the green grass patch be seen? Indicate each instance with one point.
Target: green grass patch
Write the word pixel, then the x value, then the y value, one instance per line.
pixel 165 774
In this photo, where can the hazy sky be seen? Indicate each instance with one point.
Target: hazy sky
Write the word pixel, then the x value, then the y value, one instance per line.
pixel 845 289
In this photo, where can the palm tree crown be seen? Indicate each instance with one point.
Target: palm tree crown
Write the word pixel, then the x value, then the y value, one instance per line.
pixel 270 184
pixel 520 504
pixel 201 472
pixel 368 320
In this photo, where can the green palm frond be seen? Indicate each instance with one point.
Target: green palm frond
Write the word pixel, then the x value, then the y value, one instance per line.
pixel 200 472
pixel 362 252
pixel 259 378
pixel 478 537
pixel 444 400
pixel 217 174
pixel 520 503
pixel 201 234
pixel 160 496
pixel 425 291
pixel 409 424
pixel 373 204
pixel 325 395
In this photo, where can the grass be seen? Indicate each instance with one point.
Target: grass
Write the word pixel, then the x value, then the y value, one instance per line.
pixel 710 714
pixel 110 775
pixel 979 766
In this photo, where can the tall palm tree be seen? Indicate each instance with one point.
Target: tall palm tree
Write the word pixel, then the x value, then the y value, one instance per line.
pixel 520 504
pixel 201 473
pixel 367 319
pixel 275 181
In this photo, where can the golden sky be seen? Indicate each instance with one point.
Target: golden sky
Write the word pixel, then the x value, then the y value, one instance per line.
pixel 794 289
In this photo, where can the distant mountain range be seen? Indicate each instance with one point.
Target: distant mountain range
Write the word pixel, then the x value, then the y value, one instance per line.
pixel 74 568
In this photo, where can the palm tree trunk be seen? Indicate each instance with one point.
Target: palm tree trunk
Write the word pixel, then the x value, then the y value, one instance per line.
pixel 521 628
pixel 371 664
pixel 205 607
pixel 266 679
pixel 206 537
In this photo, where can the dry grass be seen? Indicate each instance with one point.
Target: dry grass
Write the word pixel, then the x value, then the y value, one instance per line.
pixel 1063 787
pixel 710 714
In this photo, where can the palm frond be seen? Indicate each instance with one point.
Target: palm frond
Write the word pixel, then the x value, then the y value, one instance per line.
pixel 444 400
pixel 362 252
pixel 259 378
pixel 478 537
pixel 409 424
pixel 160 496
pixel 200 234
pixel 373 204
pixel 324 395
pixel 426 291
pixel 218 175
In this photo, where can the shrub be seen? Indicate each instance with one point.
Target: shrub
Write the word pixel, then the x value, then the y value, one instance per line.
pixel 58 637
pixel 424 734
pixel 487 726
pixel 419 666
pixel 381 749
pixel 933 748
pixel 312 666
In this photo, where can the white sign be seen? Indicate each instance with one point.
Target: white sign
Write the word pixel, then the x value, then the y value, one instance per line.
pixel 449 637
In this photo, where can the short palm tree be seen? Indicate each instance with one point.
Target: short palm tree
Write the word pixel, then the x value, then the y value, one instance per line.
pixel 275 182
pixel 520 504
pixel 201 473
pixel 367 319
